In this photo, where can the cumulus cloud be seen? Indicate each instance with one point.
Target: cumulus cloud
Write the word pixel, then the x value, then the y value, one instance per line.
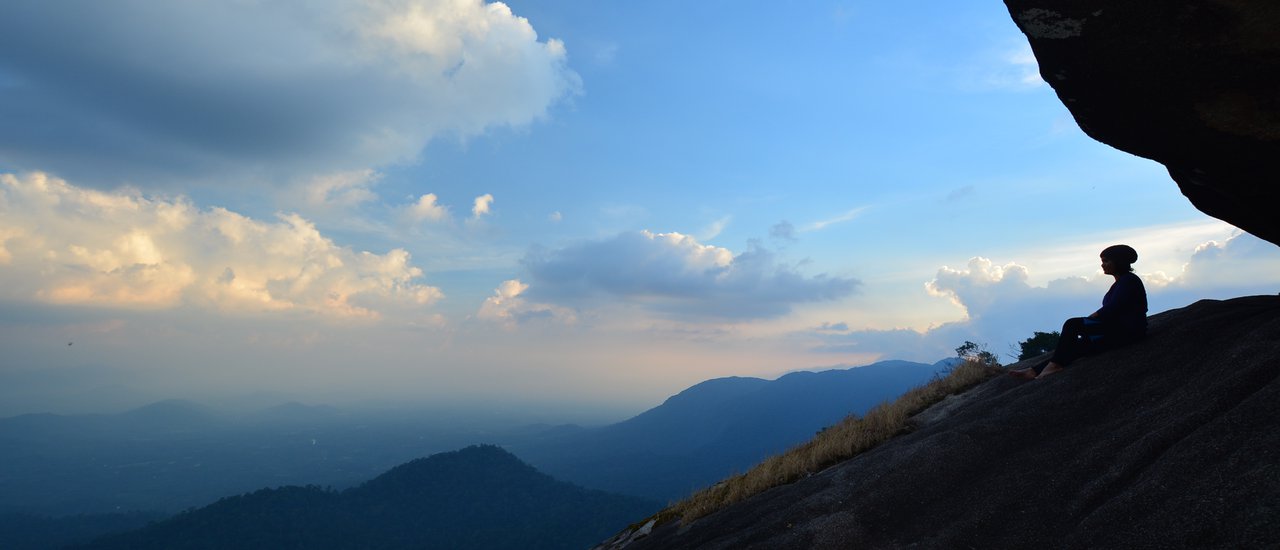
pixel 507 307
pixel 69 245
pixel 674 274
pixel 481 205
pixel 1002 308
pixel 184 89
pixel 427 208
pixel 1240 265
pixel 997 299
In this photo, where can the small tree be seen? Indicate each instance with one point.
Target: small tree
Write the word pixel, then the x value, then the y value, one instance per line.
pixel 1038 343
pixel 970 351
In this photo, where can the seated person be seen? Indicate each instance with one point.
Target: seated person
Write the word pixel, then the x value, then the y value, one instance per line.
pixel 1122 319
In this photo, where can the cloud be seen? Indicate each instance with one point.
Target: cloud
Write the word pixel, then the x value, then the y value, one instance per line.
pixel 555 217
pixel 342 189
pixel 426 208
pixel 68 245
pixel 823 224
pixel 481 206
pixel 675 275
pixel 1012 68
pixel 507 307
pixel 783 230
pixel 712 231
pixel 1002 308
pixel 1026 67
pixel 1240 265
pixel 175 90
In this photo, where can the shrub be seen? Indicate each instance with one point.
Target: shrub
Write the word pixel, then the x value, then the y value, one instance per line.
pixel 1038 343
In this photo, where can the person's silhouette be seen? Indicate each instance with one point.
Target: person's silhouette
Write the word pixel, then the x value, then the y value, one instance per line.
pixel 1121 320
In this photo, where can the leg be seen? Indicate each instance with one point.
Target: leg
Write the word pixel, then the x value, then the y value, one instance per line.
pixel 1080 337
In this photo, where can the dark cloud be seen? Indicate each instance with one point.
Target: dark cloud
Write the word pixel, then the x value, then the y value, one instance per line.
pixel 117 90
pixel 675 275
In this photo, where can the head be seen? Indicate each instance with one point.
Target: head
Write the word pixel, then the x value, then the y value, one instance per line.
pixel 1117 259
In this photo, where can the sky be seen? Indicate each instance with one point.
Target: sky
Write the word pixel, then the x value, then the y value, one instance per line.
pixel 579 206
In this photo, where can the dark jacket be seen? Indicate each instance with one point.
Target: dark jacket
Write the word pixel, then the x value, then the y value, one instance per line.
pixel 1124 308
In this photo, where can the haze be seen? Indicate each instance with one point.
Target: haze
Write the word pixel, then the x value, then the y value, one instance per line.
pixel 575 208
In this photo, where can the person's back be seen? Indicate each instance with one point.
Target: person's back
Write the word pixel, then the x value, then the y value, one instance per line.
pixel 1124 308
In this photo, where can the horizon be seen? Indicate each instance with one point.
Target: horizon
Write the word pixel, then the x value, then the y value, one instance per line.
pixel 546 204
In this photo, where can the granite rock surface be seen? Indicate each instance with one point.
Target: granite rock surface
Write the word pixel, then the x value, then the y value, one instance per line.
pixel 1168 443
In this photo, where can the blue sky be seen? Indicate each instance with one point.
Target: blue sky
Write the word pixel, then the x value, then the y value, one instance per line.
pixel 586 204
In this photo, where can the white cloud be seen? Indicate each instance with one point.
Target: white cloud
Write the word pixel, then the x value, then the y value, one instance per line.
pixel 342 189
pixel 556 217
pixel 507 307
pixel 1003 308
pixel 283 89
pixel 675 275
pixel 1026 66
pixel 1240 265
pixel 712 231
pixel 427 208
pixel 1010 68
pixel 823 224
pixel 481 205
pixel 68 245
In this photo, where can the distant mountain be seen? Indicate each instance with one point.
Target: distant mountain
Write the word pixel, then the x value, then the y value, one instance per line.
pixel 717 427
pixel 172 414
pixel 28 532
pixel 480 497
pixel 173 455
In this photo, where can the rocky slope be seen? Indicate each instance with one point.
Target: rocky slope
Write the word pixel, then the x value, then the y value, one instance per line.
pixel 1190 84
pixel 1170 442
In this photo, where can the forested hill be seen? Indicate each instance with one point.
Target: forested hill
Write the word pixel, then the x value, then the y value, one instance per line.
pixel 479 497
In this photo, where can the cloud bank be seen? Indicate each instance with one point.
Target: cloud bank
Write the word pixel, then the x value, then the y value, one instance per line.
pixel 186 89
pixel 1002 308
pixel 62 244
pixel 675 275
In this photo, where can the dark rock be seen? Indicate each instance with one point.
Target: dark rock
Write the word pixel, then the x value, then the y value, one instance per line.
pixel 1190 84
pixel 1167 443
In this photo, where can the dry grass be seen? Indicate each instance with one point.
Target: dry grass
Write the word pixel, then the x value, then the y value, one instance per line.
pixel 852 436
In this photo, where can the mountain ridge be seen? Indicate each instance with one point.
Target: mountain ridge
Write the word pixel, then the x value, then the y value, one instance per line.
pixel 688 442
pixel 477 497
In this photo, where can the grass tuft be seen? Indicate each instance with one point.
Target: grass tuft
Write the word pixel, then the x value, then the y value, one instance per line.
pixel 847 439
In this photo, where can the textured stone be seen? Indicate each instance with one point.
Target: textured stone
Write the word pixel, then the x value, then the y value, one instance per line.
pixel 1193 84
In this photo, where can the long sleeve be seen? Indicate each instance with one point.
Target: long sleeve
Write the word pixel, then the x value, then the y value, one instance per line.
pixel 1125 304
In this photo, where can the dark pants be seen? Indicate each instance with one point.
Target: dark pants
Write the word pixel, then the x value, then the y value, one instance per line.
pixel 1082 336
